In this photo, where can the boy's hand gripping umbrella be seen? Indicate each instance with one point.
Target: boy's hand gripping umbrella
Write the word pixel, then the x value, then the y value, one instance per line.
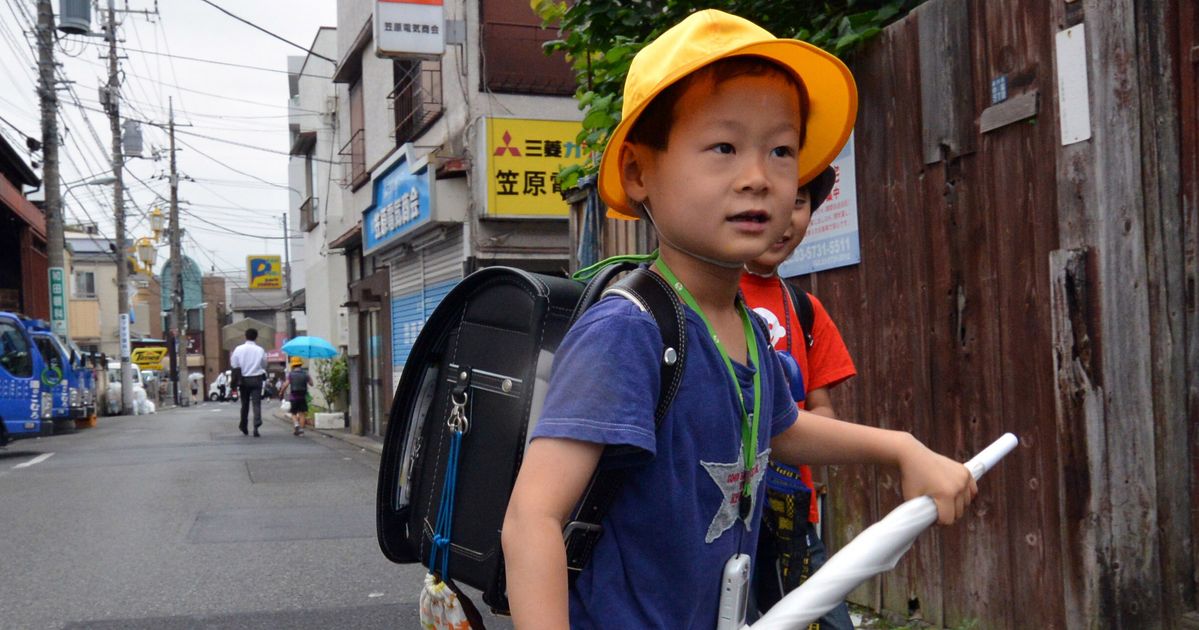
pixel 875 550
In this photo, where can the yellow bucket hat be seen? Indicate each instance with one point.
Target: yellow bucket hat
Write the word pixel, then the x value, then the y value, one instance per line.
pixel 295 361
pixel 711 35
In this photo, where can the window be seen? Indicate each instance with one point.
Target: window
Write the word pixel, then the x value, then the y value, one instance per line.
pixel 416 97
pixel 14 350
pixel 512 57
pixel 356 147
pixel 85 284
pixel 309 209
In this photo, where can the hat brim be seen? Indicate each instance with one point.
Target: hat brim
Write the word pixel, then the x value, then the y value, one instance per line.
pixel 820 187
pixel 832 109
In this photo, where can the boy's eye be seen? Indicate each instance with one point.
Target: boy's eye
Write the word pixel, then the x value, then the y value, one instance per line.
pixel 723 148
pixel 783 151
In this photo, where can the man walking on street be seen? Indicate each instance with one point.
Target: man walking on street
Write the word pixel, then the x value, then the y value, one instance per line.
pixel 250 359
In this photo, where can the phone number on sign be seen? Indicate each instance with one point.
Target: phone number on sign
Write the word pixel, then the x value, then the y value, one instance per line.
pixel 831 248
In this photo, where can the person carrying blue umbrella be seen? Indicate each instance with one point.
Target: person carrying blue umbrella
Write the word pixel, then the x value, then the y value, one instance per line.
pixel 297 384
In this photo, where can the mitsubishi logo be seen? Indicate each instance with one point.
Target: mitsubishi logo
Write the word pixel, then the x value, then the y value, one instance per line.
pixel 508 146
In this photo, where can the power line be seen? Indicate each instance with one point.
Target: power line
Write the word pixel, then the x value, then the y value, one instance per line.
pixel 229 230
pixel 245 21
pixel 203 60
pixel 16 128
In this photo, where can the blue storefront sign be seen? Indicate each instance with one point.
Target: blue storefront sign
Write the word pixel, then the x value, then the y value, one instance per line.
pixel 401 203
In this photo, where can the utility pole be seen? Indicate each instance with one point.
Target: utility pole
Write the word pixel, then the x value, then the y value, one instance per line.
pixel 291 323
pixel 113 102
pixel 178 323
pixel 53 205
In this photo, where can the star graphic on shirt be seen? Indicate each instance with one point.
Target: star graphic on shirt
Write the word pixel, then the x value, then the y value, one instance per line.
pixel 728 478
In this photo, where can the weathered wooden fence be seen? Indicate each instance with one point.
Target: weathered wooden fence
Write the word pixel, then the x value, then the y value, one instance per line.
pixel 1012 283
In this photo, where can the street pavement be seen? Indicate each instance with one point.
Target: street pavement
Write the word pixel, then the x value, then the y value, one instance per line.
pixel 177 520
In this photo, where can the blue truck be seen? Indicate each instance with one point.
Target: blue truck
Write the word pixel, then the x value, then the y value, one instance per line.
pixel 25 407
pixel 61 376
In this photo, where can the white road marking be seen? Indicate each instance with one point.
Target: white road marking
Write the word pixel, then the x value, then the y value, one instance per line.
pixel 36 460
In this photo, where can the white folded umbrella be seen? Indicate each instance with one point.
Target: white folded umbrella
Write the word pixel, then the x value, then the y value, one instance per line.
pixel 875 550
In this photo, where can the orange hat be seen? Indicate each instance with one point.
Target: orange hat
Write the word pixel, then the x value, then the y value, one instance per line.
pixel 711 35
pixel 296 362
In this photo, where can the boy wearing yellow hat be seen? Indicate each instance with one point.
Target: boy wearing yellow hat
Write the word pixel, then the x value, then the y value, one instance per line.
pixel 297 384
pixel 719 119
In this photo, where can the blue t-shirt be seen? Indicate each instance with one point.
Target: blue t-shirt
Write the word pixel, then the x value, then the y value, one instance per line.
pixel 675 521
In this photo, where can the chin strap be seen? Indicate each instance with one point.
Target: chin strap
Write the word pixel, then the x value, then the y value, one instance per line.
pixel 724 264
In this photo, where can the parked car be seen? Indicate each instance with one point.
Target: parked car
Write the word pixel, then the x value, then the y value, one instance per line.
pixel 85 378
pixel 214 388
pixel 112 397
pixel 60 375
pixel 24 408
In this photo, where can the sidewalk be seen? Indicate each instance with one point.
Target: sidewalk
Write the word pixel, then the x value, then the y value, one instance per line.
pixel 366 443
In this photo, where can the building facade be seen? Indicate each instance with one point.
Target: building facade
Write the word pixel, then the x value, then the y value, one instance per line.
pixel 24 280
pixel 450 124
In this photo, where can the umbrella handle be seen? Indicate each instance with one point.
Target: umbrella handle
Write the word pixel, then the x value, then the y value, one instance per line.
pixel 988 457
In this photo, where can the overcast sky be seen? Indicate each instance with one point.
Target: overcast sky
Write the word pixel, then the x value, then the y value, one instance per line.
pixel 227 104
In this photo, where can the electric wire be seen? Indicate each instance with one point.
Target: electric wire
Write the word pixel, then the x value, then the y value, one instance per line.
pixel 278 37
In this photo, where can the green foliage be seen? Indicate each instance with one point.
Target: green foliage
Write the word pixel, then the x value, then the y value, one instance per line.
pixel 600 38
pixel 333 380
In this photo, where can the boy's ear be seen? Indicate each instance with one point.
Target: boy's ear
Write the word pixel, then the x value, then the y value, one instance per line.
pixel 633 161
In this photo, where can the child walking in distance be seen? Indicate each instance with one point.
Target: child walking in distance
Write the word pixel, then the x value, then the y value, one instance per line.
pixel 296 385
pixel 717 125
pixel 789 547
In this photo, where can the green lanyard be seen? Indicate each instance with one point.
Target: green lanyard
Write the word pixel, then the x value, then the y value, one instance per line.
pixel 749 422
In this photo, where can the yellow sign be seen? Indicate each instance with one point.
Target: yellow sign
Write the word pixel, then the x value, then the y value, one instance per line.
pixel 266 272
pixel 148 358
pixel 523 158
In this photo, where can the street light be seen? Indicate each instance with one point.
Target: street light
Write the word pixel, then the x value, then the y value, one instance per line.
pixel 95 181
pixel 156 221
pixel 147 254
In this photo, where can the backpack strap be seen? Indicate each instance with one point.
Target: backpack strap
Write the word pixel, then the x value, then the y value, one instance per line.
pixel 651 294
pixel 803 311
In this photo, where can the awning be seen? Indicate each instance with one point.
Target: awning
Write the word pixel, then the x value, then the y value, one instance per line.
pixel 234 334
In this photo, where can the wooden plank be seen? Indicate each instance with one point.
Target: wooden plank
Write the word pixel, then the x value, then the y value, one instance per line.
pixel 947 107
pixel 896 283
pixel 1081 439
pixel 1164 223
pixel 1120 241
pixel 1013 110
pixel 1188 88
pixel 1016 177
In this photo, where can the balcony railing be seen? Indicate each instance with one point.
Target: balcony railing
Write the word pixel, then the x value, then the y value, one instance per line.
pixel 416 98
pixel 308 214
pixel 356 149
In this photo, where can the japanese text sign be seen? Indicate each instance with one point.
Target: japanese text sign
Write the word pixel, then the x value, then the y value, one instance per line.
pixel 402 202
pixel 409 27
pixel 266 272
pixel 523 160
pixel 58 301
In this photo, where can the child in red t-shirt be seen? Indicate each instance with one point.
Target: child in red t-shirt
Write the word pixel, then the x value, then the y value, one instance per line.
pixel 789 549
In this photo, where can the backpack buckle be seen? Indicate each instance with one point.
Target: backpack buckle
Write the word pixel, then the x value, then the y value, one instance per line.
pixel 580 538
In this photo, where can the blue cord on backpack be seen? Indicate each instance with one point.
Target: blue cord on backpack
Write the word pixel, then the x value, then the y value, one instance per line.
pixel 445 512
pixel 794 375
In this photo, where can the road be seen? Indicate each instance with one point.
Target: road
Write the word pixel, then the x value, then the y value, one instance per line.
pixel 177 520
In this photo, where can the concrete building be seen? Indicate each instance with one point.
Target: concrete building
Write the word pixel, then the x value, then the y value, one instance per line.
pixel 319 284
pixel 450 124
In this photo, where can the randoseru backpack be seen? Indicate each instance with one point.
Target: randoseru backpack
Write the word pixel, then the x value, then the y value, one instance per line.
pixel 481 365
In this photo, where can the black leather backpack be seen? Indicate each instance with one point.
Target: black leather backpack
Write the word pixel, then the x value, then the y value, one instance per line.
pixel 481 365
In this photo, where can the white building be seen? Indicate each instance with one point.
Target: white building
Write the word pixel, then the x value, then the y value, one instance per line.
pixel 450 124
pixel 314 175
